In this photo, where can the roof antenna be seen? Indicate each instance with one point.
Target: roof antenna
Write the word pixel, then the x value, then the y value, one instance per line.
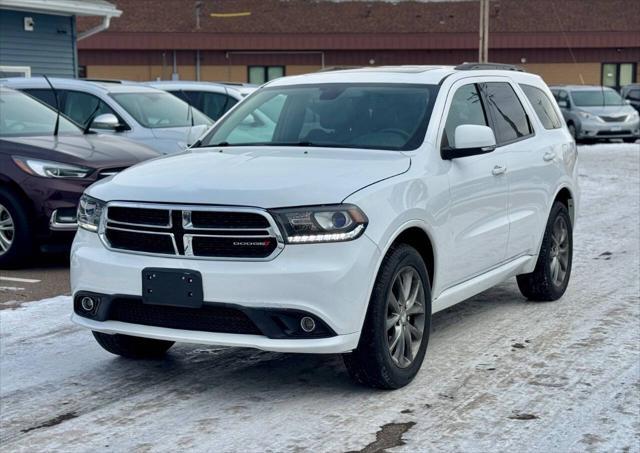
pixel 55 95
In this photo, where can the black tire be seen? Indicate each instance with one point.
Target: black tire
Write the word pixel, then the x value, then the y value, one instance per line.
pixel 573 131
pixel 539 285
pixel 371 363
pixel 133 347
pixel 630 139
pixel 21 248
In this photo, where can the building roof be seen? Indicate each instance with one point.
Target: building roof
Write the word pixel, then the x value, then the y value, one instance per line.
pixel 322 16
pixel 66 7
pixel 327 24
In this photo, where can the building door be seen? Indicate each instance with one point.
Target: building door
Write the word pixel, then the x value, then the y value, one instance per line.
pixel 617 75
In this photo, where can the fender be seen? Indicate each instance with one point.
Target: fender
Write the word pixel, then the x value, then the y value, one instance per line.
pixel 387 245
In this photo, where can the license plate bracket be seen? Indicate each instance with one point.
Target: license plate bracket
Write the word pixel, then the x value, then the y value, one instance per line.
pixel 173 287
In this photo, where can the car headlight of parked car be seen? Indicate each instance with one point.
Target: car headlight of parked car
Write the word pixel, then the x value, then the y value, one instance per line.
pixel 49 169
pixel 335 223
pixel 633 116
pixel 588 116
pixel 89 212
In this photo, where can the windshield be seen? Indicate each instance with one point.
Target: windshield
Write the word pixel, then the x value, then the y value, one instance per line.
pixel 596 98
pixel 375 116
pixel 22 115
pixel 159 110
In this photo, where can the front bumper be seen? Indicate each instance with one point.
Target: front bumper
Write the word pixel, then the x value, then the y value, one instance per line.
pixel 602 130
pixel 330 281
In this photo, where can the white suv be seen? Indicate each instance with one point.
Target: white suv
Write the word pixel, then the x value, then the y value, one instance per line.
pixel 377 198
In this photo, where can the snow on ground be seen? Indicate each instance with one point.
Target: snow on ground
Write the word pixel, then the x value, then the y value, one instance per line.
pixel 501 374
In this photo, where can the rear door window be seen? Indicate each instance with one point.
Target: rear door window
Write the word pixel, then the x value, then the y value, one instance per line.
pixel 543 106
pixel 508 117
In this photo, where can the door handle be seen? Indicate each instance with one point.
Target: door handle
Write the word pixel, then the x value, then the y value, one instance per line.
pixel 498 170
pixel 549 155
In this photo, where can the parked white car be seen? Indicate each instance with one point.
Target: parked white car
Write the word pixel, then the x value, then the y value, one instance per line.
pixel 380 197
pixel 143 114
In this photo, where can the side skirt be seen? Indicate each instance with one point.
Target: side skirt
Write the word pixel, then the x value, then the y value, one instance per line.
pixel 469 288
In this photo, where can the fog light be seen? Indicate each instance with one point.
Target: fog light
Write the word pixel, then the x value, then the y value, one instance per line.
pixel 87 303
pixel 308 324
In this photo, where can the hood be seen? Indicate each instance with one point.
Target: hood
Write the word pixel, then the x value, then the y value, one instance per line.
pixel 183 136
pixel 249 176
pixel 609 110
pixel 91 150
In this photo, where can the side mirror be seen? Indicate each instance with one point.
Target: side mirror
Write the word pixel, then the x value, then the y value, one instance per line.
pixel 252 120
pixel 563 104
pixel 470 140
pixel 627 101
pixel 106 121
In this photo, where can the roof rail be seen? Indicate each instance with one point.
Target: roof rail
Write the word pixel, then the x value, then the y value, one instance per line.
pixel 102 80
pixel 480 66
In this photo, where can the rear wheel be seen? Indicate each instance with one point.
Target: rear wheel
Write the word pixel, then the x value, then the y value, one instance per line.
pixel 132 347
pixel 550 278
pixel 16 243
pixel 396 329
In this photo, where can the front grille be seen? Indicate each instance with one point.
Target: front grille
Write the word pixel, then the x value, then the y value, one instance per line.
pixel 140 216
pixel 191 231
pixel 206 319
pixel 613 119
pixel 212 219
pixel 608 133
pixel 109 172
pixel 236 247
pixel 140 242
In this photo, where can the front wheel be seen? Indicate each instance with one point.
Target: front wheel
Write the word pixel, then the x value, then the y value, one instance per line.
pixel 396 329
pixel 630 139
pixel 132 347
pixel 550 278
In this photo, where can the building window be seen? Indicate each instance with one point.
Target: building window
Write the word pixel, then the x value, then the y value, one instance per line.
pixel 15 71
pixel 616 75
pixel 82 72
pixel 262 74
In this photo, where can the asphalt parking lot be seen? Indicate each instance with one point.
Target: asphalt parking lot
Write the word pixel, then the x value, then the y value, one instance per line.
pixel 501 374
pixel 47 277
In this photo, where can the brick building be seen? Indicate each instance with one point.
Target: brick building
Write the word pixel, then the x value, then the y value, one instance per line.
pixel 573 41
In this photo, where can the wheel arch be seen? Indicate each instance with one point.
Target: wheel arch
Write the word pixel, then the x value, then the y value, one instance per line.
pixel 415 234
pixel 565 196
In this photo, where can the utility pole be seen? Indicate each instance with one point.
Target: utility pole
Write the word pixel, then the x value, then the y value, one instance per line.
pixel 483 45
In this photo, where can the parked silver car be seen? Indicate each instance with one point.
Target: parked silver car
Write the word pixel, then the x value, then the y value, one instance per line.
pixel 597 113
pixel 132 110
pixel 213 99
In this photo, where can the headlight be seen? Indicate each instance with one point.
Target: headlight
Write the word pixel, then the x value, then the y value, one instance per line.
pixel 48 169
pixel 633 116
pixel 336 223
pixel 89 212
pixel 586 115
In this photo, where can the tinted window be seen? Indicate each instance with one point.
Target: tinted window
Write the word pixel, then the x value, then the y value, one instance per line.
pixel 466 108
pixel 509 118
pixel 46 96
pixel 596 98
pixel 81 106
pixel 634 94
pixel 159 109
pixel 376 116
pixel 542 106
pixel 214 105
pixel 22 115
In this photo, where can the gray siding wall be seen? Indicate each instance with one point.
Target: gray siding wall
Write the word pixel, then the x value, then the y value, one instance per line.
pixel 49 49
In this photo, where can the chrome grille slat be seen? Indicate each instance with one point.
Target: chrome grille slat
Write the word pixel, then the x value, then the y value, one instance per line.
pixel 251 243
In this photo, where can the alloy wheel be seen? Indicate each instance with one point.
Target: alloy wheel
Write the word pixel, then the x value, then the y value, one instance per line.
pixel 405 316
pixel 559 256
pixel 7 230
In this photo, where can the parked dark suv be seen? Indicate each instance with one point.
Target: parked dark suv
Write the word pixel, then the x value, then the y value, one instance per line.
pixel 631 94
pixel 43 174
